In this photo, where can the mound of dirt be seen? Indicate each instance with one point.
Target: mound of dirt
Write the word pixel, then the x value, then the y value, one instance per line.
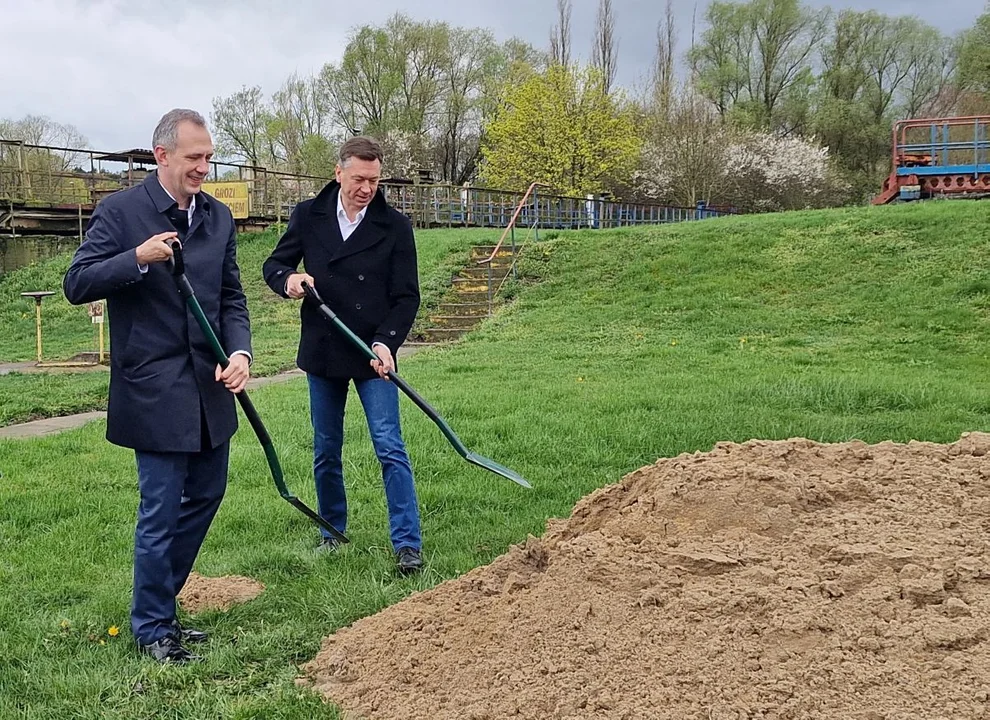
pixel 219 593
pixel 784 579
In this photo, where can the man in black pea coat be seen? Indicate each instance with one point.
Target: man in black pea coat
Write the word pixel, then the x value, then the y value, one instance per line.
pixel 169 400
pixel 360 255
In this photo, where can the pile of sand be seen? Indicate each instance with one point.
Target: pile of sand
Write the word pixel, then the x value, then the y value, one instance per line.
pixel 765 580
pixel 217 593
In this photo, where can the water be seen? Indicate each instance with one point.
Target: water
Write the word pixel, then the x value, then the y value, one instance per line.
pixel 16 252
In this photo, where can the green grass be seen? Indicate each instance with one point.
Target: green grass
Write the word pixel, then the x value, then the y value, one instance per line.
pixel 867 323
pixel 67 329
pixel 26 396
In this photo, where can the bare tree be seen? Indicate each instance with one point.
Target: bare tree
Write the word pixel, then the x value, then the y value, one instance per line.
pixel 663 65
pixel 560 35
pixel 239 122
pixel 605 49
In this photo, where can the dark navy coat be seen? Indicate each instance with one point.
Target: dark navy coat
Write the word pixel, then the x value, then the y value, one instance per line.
pixel 162 382
pixel 370 281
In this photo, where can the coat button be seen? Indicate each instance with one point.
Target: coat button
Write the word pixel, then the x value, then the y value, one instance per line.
pixel 392 332
pixel 358 306
pixel 360 277
pixel 279 272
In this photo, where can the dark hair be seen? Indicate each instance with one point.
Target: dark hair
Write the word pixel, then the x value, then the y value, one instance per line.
pixel 362 147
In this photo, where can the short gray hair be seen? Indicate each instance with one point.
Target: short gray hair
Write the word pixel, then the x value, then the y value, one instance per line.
pixel 167 132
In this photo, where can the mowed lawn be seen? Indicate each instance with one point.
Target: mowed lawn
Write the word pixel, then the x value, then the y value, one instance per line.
pixel 621 347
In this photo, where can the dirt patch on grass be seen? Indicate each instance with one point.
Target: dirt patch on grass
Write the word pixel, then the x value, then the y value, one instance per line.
pixel 218 593
pixel 782 579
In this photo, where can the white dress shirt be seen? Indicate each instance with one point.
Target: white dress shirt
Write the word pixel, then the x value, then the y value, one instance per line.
pixel 346 226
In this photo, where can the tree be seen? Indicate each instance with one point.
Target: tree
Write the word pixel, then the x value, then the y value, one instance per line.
pixel 683 158
pixel 663 79
pixel 605 48
pixel 877 69
pixel 46 169
pixel 974 57
pixel 239 123
pixel 42 130
pixel 424 89
pixel 757 55
pixel 560 35
pixel 559 127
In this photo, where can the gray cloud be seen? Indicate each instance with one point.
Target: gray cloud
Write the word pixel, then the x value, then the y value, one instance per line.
pixel 112 67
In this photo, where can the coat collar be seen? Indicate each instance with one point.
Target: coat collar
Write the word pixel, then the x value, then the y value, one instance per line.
pixel 326 204
pixel 371 231
pixel 163 201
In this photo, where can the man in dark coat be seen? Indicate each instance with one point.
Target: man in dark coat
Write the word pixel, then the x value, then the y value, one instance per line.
pixel 169 400
pixel 360 255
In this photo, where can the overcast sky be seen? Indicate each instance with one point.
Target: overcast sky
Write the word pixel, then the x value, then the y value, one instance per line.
pixel 113 67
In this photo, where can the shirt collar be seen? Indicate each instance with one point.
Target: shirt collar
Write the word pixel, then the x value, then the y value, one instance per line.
pixel 341 213
pixel 192 199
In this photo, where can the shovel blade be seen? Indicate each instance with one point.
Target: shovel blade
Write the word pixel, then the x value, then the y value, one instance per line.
pixel 498 469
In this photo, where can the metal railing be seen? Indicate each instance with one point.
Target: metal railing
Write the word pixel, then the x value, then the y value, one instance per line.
pixel 41 176
pixel 510 230
pixel 939 146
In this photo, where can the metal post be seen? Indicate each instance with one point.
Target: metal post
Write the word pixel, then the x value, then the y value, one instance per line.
pixel 80 224
pixel 37 324
pixel 490 285
pixel 536 220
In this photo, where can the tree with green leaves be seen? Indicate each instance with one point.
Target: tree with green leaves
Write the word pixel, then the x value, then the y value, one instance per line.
pixel 560 128
pixel 876 69
pixel 754 60
pixel 973 76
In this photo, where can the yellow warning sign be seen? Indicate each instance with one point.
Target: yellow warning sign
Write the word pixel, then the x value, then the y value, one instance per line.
pixel 232 194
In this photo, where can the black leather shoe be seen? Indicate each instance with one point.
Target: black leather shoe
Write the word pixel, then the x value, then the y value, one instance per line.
pixel 410 560
pixel 190 635
pixel 168 650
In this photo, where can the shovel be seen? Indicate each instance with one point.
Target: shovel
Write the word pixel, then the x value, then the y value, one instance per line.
pixel 471 457
pixel 177 268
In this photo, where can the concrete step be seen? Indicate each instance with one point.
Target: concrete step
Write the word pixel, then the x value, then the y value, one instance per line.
pixel 469 285
pixel 478 309
pixel 454 321
pixel 471 297
pixel 480 272
pixel 480 252
pixel 438 335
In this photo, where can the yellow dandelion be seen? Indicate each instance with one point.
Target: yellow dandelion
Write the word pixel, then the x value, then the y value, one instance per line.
pixel 64 624
pixel 580 379
pixel 673 342
pixel 113 631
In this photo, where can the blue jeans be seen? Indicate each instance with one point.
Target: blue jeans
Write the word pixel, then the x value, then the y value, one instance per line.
pixel 380 398
pixel 180 495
